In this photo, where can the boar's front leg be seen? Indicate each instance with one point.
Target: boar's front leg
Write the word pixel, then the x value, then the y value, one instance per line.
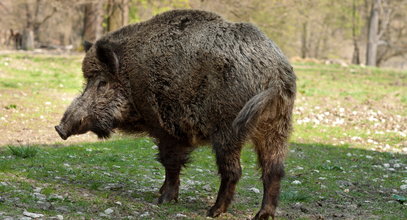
pixel 173 155
pixel 228 161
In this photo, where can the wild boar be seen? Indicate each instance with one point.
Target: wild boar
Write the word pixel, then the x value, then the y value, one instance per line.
pixel 188 78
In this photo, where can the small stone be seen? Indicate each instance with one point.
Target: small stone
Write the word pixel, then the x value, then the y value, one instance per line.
pixel 179 215
pixel 57 217
pixel 386 165
pixel 113 186
pixel 296 205
pixel 40 196
pixel 255 190
pixel 32 215
pixel 25 218
pixel 403 187
pixel 62 209
pixel 145 214
pixel 44 205
pixel 190 199
pixel 55 197
pixel 118 203
pixel 109 211
pixel 207 187
pixel 103 214
pixel 296 182
pixel 344 183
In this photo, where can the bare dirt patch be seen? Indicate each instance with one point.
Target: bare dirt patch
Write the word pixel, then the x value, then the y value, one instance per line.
pixel 27 119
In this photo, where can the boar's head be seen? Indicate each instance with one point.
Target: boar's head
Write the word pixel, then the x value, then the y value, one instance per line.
pixel 104 102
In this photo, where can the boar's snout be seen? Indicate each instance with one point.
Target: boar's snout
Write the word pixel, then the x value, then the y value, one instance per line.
pixel 61 132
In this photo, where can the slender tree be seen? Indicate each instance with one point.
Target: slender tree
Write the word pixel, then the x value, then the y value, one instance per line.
pixel 356 51
pixel 373 34
pixel 92 21
pixel 117 14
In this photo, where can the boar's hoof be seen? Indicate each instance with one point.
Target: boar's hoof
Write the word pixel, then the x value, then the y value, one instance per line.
pixel 215 211
pixel 167 196
pixel 263 215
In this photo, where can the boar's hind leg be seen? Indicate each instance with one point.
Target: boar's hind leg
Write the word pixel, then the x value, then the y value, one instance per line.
pixel 173 155
pixel 228 161
pixel 270 140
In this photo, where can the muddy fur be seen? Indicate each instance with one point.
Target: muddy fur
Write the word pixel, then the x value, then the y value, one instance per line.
pixel 189 77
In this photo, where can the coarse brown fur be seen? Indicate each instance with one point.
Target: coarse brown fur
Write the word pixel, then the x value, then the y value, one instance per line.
pixel 187 77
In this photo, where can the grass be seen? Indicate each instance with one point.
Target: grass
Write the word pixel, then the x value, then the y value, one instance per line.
pixel 86 179
pixel 23 151
pixel 346 160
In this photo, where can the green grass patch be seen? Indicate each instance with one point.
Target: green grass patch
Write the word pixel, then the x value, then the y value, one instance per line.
pixel 23 151
pixel 89 178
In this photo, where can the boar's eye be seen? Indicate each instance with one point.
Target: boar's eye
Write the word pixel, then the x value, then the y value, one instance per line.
pixel 102 84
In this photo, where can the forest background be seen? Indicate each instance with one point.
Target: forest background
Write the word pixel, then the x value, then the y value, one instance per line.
pixel 366 32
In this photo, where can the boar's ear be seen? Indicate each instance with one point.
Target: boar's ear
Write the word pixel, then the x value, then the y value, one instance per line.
pixel 87 45
pixel 108 53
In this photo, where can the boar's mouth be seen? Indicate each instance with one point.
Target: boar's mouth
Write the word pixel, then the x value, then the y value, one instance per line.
pixel 67 128
pixel 101 133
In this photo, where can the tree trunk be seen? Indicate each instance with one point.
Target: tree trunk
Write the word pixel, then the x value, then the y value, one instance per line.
pixel 373 34
pixel 93 20
pixel 28 39
pixel 125 12
pixel 356 54
pixel 118 14
pixel 304 47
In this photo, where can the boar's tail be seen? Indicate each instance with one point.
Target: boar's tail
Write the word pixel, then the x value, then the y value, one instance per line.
pixel 274 103
pixel 252 110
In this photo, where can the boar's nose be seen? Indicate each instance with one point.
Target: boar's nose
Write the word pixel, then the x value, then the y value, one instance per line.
pixel 61 133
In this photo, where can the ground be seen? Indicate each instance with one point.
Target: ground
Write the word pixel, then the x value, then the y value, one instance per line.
pixel 347 156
